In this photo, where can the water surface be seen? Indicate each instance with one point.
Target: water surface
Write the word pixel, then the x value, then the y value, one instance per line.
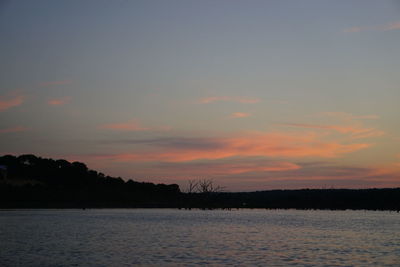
pixel 167 237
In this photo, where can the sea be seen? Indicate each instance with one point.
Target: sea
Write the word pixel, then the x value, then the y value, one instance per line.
pixel 172 237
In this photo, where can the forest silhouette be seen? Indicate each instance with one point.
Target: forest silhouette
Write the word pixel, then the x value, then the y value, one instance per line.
pixel 28 181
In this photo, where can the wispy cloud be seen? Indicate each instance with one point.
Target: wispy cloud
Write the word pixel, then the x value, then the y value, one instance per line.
pixel 237 99
pixel 325 175
pixel 59 101
pixel 386 27
pixel 273 156
pixel 255 161
pixel 344 123
pixel 277 144
pixel 172 142
pixel 11 100
pixel 231 167
pixel 52 83
pixel 348 116
pixel 14 129
pixel 397 163
pixel 236 115
pixel 356 131
pixel 391 26
pixel 247 167
pixel 353 29
pixel 133 125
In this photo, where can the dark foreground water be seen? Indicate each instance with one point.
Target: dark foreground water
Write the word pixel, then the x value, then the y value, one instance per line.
pixel 124 237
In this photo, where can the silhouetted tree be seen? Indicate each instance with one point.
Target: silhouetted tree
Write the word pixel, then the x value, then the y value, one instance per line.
pixel 208 186
pixel 203 186
pixel 192 186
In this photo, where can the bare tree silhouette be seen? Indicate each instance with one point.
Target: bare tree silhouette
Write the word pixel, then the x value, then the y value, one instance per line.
pixel 208 186
pixel 192 186
pixel 203 186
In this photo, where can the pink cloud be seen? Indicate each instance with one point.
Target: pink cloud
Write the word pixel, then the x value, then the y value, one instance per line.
pixel 51 83
pixel 134 125
pixel 387 27
pixel 251 145
pixel 226 168
pixel 240 115
pixel 356 131
pixel 239 168
pixel 353 29
pixel 59 101
pixel 131 126
pixel 391 26
pixel 350 176
pixel 14 129
pixel 10 101
pixel 397 163
pixel 247 153
pixel 349 117
pixel 237 99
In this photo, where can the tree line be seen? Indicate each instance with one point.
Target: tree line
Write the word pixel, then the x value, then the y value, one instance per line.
pixel 28 181
pixel 31 181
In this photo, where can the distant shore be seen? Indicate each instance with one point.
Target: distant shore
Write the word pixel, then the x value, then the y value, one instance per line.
pixel 305 199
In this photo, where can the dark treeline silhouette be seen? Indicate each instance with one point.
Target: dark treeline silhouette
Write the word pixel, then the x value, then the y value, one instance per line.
pixel 333 199
pixel 28 181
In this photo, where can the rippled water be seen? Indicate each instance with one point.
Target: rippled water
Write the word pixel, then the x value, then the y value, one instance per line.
pixel 124 237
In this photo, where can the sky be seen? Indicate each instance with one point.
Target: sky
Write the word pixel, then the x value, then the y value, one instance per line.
pixel 254 95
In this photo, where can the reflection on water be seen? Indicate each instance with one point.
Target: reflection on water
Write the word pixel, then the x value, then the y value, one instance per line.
pixel 177 237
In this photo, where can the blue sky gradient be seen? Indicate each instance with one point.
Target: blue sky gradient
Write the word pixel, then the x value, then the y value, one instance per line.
pixel 253 94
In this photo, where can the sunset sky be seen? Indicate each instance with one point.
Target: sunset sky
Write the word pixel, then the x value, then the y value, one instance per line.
pixel 252 94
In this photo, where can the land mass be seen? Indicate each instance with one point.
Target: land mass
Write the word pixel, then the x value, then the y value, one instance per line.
pixel 28 181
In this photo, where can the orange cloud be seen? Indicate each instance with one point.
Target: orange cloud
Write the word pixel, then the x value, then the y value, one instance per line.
pixel 356 131
pixel 51 83
pixel 353 29
pixel 251 145
pixel 238 168
pixel 391 26
pixel 362 178
pixel 230 168
pixel 134 125
pixel 131 126
pixel 11 101
pixel 349 117
pixel 237 99
pixel 397 164
pixel 240 115
pixel 387 27
pixel 323 174
pixel 59 101
pixel 13 129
